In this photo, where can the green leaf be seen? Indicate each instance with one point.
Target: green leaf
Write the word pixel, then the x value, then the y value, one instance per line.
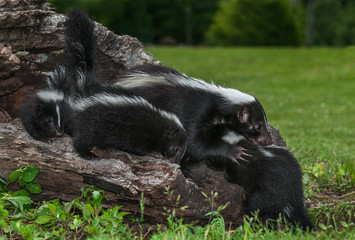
pixel 20 201
pixel 44 219
pixel 96 195
pixel 21 182
pixel 76 223
pixel 29 173
pixel 3 181
pixel 33 187
pixel 88 211
pixel 3 184
pixel 52 208
pixel 15 175
pixel 68 206
pixel 21 192
pixel 3 213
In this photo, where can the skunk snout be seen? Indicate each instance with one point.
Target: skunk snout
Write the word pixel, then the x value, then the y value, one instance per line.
pixel 59 133
pixel 171 152
pixel 176 153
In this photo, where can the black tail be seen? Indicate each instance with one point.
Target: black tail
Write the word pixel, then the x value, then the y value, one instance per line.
pixel 80 51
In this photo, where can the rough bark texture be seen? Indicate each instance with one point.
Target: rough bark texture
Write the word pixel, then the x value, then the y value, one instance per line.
pixel 31 43
pixel 124 176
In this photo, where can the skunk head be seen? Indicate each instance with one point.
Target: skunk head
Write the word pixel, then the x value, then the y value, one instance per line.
pixel 173 145
pixel 250 121
pixel 47 111
pixel 172 138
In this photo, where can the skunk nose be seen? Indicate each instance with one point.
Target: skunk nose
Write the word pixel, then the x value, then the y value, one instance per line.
pixel 172 151
pixel 59 133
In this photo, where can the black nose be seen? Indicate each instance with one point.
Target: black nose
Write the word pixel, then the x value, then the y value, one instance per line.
pixel 177 150
pixel 172 152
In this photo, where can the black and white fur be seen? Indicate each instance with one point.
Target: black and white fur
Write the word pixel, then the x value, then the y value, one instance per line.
pixel 189 99
pixel 225 124
pixel 272 178
pixel 47 115
pixel 113 117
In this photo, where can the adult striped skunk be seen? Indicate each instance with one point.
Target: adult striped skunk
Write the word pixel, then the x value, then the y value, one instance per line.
pixel 47 114
pixel 189 99
pixel 112 117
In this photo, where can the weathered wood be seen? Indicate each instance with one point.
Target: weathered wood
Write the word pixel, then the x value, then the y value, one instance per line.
pixel 124 176
pixel 31 44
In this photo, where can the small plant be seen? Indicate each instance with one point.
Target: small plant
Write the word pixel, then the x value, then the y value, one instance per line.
pixel 175 227
pixel 345 178
pixel 211 201
pixel 173 221
pixel 141 205
pixel 81 218
pixel 20 199
pixel 334 216
pixel 26 178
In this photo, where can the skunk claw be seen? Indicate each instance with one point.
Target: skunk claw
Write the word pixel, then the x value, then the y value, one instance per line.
pixel 242 152
pixel 235 161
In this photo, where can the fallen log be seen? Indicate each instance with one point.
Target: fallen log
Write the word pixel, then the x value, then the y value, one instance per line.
pixel 123 176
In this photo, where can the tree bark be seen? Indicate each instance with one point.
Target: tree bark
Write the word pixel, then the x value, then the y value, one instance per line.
pixel 31 43
pixel 123 176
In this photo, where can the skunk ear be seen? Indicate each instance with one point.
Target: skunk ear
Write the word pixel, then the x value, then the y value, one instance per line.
pixel 37 108
pixel 243 114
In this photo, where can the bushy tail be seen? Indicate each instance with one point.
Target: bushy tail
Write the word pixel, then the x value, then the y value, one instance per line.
pixel 57 81
pixel 80 51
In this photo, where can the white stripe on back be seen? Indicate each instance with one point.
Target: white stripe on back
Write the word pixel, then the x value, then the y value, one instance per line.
pixel 141 79
pixel 230 94
pixel 119 100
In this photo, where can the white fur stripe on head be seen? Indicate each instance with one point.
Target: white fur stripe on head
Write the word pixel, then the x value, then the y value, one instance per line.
pixel 232 138
pixel 119 100
pixel 58 113
pixel 47 95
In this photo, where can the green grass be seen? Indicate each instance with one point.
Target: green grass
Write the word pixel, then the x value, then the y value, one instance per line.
pixel 307 94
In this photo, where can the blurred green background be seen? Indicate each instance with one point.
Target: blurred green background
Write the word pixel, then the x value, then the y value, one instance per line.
pixel 225 22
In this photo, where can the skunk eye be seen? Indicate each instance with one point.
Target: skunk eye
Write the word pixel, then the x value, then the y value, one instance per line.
pixel 49 120
pixel 257 127
pixel 173 134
